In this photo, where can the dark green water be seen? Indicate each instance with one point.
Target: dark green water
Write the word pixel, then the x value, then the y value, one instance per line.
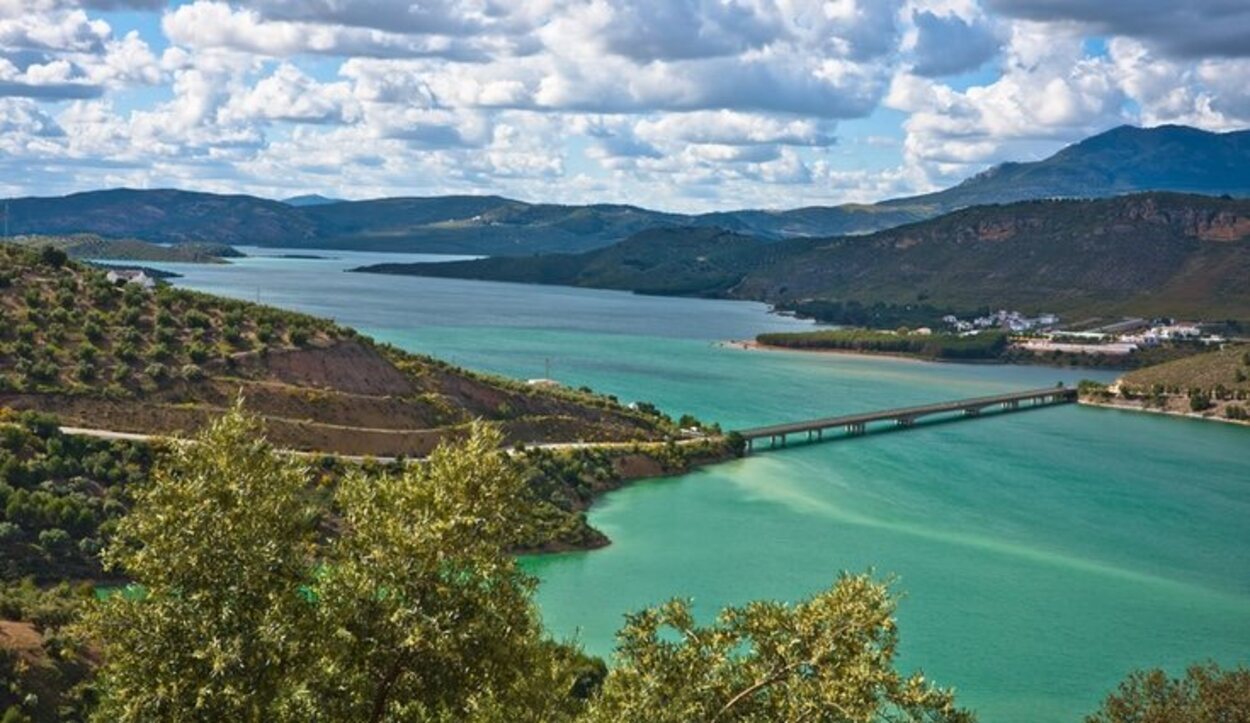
pixel 1042 554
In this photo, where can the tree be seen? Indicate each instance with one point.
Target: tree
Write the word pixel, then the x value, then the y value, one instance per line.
pixel 423 613
pixel 1207 694
pixel 52 256
pixel 397 600
pixel 829 658
pixel 219 543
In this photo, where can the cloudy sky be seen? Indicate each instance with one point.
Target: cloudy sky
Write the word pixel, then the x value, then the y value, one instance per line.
pixel 675 104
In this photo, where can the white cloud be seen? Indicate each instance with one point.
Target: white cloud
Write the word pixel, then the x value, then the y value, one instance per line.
pixel 675 103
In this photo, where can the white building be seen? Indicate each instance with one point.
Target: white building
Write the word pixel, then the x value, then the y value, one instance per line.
pixel 130 276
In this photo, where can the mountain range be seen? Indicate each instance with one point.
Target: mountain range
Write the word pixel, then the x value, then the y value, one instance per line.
pixel 1122 160
pixel 1161 254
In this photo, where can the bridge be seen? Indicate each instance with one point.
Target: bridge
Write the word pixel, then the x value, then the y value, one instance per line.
pixel 857 424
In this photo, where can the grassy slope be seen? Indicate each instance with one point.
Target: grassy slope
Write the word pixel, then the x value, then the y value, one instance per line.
pixel 102 356
pixel 1203 371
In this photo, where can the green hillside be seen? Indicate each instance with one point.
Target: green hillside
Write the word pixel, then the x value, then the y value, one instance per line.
pixel 1226 369
pixel 94 246
pixel 1151 254
pixel 125 359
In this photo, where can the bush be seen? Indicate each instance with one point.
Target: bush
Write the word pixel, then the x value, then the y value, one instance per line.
pixel 54 541
pixel 52 256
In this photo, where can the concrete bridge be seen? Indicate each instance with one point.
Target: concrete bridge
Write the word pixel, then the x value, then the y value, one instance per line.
pixel 857 424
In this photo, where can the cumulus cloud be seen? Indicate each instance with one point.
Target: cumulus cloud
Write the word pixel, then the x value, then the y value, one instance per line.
pixel 1189 29
pixel 207 25
pixel 678 103
pixel 948 44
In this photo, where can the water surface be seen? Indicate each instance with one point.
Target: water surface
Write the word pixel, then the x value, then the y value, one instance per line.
pixel 1042 554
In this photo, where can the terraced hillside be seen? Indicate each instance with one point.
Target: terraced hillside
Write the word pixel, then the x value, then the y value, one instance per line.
pixel 124 359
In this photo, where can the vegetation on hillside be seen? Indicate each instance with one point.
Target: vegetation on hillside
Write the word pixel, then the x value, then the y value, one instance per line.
pixel 1212 385
pixel 1227 369
pixel 1145 255
pixel 988 345
pixel 66 328
pixel 124 358
pixel 93 246
pixel 60 497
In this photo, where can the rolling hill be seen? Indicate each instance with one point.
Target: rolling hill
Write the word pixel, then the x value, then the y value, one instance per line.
pixel 123 359
pixel 94 246
pixel 1122 160
pixel 1144 254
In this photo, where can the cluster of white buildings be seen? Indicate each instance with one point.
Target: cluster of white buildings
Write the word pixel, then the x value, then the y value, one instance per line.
pixel 1121 338
pixel 1012 321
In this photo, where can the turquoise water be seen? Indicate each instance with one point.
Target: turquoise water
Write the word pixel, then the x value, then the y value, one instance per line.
pixel 1042 554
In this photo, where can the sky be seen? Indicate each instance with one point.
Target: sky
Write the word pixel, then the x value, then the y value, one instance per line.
pixel 685 105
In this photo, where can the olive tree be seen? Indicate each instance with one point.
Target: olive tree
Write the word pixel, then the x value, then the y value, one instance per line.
pixel 829 658
pixel 219 543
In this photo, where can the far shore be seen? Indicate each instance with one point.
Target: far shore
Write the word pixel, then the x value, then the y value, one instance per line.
pixel 753 345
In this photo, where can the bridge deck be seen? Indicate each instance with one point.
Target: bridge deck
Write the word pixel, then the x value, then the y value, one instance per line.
pixel 1052 394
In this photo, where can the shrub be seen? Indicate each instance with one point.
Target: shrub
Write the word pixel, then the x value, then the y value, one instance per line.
pixel 52 256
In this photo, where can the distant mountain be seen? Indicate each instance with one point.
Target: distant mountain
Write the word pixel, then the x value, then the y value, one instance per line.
pixel 310 199
pixel 1123 160
pixel 1143 254
pixel 163 216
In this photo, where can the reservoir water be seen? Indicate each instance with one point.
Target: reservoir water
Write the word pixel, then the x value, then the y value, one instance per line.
pixel 1042 555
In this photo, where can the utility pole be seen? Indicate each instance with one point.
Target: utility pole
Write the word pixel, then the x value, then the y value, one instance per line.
pixel 547 368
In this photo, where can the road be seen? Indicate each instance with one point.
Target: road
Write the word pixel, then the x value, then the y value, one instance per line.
pixel 138 437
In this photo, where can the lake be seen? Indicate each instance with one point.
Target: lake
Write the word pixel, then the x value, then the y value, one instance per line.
pixel 1042 555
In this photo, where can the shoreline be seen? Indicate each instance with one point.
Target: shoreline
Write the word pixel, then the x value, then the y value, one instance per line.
pixel 1130 407
pixel 752 345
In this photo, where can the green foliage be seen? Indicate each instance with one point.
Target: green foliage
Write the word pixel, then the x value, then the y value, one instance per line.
pixel 986 345
pixel 72 327
pixel 60 496
pixel 52 256
pixel 220 541
pixel 830 657
pixel 250 607
pixel 1206 694
pixel 412 610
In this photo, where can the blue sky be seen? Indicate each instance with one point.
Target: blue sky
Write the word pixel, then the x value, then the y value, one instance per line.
pixel 675 104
